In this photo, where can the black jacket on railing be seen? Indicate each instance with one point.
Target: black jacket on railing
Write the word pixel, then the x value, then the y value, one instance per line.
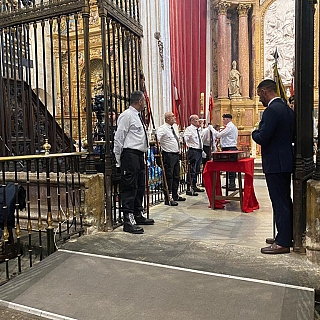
pixel 10 203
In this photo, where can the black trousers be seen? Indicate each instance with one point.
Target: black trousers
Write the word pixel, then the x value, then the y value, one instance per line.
pixel 172 170
pixel 207 150
pixel 194 158
pixel 232 175
pixel 132 182
pixel 279 187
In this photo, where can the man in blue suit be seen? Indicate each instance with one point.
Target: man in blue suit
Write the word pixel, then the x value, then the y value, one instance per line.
pixel 276 135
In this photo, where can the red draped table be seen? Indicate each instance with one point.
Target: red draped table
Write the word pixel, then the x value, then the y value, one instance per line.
pixel 246 165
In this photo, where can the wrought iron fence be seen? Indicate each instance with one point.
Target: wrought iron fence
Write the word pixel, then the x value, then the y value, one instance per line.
pixel 65 66
pixel 67 69
pixel 41 205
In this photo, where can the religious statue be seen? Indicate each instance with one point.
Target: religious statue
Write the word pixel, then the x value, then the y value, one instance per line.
pixel 98 88
pixel 234 81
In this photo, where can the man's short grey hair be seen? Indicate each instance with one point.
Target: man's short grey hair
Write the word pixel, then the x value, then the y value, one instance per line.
pixel 136 96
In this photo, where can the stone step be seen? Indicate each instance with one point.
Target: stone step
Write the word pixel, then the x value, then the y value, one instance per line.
pixel 258 175
pixel 258 172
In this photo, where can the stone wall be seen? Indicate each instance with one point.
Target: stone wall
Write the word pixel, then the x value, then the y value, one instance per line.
pixel 91 199
pixel 313 221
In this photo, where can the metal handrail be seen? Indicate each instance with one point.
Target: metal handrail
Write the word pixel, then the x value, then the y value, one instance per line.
pixel 42 156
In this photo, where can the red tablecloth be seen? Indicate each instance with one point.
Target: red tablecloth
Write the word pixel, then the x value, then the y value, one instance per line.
pixel 246 165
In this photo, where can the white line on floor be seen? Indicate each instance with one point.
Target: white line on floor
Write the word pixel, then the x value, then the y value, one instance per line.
pixel 34 311
pixel 189 270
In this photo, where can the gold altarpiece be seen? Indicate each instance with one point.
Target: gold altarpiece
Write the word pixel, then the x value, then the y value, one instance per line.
pixel 72 64
pixel 249 33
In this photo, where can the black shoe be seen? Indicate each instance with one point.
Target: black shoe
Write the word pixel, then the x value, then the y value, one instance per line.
pixel 171 203
pixel 191 193
pixel 131 228
pixel 143 220
pixel 230 188
pixel 196 189
pixel 129 224
pixel 180 199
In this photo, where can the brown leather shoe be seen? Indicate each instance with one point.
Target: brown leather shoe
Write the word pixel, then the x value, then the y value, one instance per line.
pixel 275 249
pixel 270 240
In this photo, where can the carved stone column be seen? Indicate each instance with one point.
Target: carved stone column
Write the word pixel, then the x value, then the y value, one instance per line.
pixel 223 67
pixel 244 48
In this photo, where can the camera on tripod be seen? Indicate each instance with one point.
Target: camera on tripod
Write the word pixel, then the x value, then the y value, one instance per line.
pixel 98 106
pixel 99 133
pixel 98 103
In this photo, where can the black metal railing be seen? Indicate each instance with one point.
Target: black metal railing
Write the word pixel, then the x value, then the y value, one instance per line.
pixel 41 205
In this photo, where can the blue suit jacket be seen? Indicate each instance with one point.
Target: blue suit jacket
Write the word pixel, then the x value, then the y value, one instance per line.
pixel 276 135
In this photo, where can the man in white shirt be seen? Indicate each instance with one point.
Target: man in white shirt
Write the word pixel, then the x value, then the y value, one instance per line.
pixel 192 137
pixel 209 141
pixel 170 149
pixel 228 142
pixel 130 145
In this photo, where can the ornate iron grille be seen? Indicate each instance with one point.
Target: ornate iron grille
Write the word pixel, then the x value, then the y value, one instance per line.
pixel 56 57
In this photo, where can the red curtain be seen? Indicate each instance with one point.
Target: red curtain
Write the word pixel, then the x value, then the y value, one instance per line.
pixel 188 54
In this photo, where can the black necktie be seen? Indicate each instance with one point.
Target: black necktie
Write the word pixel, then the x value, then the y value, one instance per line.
pixel 175 136
pixel 200 141
pixel 144 129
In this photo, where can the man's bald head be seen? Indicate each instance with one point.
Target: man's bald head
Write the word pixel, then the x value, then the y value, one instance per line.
pixel 194 119
pixel 169 118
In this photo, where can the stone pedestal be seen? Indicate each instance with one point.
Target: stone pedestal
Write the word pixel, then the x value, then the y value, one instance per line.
pixel 221 106
pixel 242 111
pixel 313 221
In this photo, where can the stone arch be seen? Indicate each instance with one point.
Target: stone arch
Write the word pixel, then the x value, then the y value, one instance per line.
pixel 96 69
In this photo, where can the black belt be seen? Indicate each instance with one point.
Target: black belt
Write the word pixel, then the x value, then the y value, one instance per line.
pixel 200 150
pixel 134 151
pixel 170 152
pixel 225 148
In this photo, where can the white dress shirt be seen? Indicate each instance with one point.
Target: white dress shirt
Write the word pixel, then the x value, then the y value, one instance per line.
pixel 206 137
pixel 228 136
pixel 130 133
pixel 191 137
pixel 166 138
